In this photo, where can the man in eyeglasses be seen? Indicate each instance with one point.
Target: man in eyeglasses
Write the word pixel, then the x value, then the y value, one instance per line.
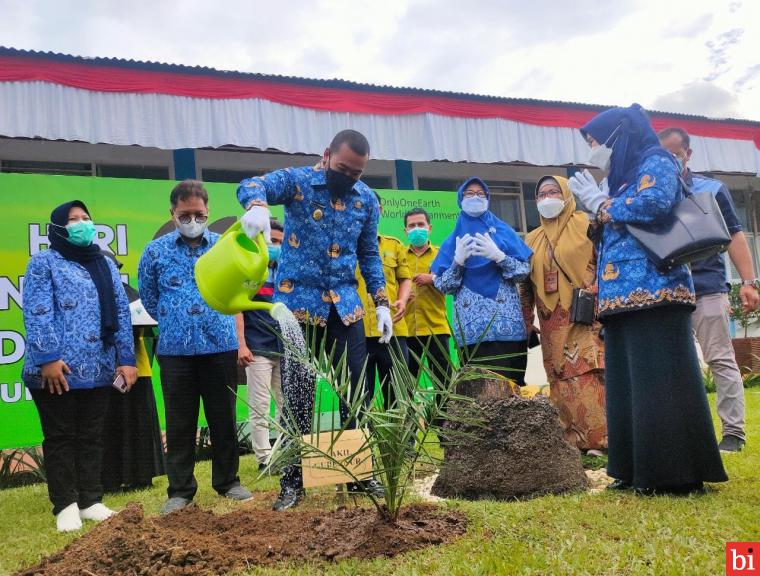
pixel 197 351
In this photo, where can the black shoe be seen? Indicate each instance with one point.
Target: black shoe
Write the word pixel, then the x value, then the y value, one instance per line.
pixel 646 492
pixel 372 487
pixel 731 443
pixel 619 485
pixel 288 498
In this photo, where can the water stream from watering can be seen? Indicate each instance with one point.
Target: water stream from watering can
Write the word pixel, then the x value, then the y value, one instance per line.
pixel 297 377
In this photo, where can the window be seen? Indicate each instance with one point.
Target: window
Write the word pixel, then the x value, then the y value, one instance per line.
pixel 133 171
pixel 438 184
pixel 231 176
pixel 532 218
pixel 507 207
pixel 41 167
pixel 742 210
pixel 378 182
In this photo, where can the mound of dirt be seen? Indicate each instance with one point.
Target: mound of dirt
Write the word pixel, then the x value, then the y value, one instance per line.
pixel 195 541
pixel 520 453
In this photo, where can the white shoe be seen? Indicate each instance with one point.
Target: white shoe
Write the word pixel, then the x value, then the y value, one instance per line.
pixel 97 512
pixel 67 520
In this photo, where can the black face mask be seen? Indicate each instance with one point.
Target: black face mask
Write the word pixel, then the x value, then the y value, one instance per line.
pixel 338 183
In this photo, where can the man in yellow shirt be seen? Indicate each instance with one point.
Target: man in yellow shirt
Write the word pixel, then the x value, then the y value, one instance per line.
pixel 398 286
pixel 426 319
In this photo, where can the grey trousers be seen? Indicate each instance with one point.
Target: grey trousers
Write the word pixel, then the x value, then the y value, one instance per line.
pixel 711 325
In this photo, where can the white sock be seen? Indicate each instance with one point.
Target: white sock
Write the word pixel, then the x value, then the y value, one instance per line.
pixel 67 520
pixel 97 512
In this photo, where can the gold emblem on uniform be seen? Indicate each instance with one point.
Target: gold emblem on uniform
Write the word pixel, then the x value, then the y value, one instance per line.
pixel 334 250
pixel 647 181
pixel 334 296
pixel 358 205
pixel 293 240
pixel 326 296
pixel 318 214
pixel 299 195
pixel 338 204
pixel 611 272
pixel 286 286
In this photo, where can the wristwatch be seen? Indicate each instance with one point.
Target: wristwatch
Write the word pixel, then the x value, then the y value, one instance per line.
pixel 752 282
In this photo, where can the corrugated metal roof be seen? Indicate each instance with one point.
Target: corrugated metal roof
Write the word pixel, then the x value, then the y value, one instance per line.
pixel 333 83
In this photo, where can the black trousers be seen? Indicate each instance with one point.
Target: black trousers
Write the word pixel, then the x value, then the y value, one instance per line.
pixel 299 398
pixel 72 445
pixel 512 367
pixel 186 380
pixel 380 362
pixel 659 425
pixel 437 354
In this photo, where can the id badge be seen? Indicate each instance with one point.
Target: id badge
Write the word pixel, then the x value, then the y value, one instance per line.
pixel 551 281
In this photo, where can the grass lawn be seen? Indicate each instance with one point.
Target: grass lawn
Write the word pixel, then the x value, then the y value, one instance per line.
pixel 580 534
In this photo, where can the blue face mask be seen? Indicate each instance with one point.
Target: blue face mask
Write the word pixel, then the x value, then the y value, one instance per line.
pixel 418 236
pixel 81 233
pixel 274 252
pixel 474 206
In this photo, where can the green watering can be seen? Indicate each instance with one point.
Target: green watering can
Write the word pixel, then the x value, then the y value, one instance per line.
pixel 233 271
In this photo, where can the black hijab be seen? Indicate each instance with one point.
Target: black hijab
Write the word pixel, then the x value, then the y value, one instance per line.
pixel 93 261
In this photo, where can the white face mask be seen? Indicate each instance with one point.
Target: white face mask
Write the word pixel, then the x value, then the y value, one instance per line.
pixel 550 207
pixel 601 157
pixel 192 229
pixel 475 206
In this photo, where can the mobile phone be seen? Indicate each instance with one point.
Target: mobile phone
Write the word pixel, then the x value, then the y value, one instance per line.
pixel 120 384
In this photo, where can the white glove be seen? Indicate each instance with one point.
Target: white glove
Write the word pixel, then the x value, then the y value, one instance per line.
pixel 384 324
pixel 484 246
pixel 255 220
pixel 463 249
pixel 585 188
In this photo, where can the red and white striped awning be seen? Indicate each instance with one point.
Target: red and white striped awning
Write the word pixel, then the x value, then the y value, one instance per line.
pixel 122 102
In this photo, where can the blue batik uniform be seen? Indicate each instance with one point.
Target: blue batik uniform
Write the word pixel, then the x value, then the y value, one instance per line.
pixel 166 279
pixel 628 280
pixel 324 239
pixel 62 320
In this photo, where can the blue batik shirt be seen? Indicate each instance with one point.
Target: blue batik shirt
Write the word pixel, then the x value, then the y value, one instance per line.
pixel 166 279
pixel 628 280
pixel 62 320
pixel 481 319
pixel 324 239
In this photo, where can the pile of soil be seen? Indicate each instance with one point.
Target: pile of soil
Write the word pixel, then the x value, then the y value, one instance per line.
pixel 196 541
pixel 519 453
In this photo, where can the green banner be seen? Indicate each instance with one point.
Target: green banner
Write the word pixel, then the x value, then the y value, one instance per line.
pixel 128 214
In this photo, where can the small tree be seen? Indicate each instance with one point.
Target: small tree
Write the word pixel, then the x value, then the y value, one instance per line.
pixel 737 310
pixel 398 437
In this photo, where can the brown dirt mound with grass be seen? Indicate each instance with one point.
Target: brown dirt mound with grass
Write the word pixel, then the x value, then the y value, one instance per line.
pixel 195 541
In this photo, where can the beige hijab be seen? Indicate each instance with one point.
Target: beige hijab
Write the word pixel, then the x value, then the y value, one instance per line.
pixel 567 233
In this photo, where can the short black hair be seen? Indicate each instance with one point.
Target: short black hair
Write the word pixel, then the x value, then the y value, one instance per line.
pixel 417 210
pixel 355 140
pixel 275 224
pixel 188 189
pixel 675 130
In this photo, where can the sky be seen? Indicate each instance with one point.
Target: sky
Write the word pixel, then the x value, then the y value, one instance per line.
pixel 690 56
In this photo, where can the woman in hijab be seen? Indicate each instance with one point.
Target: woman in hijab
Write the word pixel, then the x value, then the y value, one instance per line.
pixel 79 340
pixel 564 259
pixel 661 437
pixel 480 263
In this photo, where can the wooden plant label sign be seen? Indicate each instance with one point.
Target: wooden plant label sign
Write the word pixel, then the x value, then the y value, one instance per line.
pixel 320 471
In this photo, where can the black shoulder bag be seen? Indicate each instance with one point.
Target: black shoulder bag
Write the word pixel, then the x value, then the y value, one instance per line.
pixel 582 308
pixel 694 230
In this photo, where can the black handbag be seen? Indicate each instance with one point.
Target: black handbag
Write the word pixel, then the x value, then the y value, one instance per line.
pixel 694 230
pixel 583 306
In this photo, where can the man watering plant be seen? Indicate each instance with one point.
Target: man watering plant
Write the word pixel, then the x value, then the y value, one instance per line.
pixel 330 225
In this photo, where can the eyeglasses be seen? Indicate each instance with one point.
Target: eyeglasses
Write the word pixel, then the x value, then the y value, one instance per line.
pixel 187 218
pixel 473 193
pixel 548 194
